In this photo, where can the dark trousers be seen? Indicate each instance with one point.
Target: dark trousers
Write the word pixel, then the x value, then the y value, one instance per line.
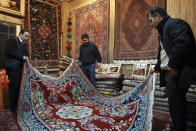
pixel 177 102
pixel 14 85
pixel 89 71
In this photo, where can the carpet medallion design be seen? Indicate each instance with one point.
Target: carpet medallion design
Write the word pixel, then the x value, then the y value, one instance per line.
pixel 93 19
pixel 44 31
pixel 134 38
pixel 45 26
pixel 74 112
pixel 70 102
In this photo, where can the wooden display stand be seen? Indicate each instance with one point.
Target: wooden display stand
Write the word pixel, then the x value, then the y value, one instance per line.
pixel 4 97
pixel 4 89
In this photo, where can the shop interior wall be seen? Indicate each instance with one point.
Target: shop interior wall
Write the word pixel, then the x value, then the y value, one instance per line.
pixel 69 8
pixel 185 9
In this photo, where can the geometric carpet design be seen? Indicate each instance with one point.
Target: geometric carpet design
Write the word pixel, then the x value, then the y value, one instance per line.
pixel 93 19
pixel 72 102
pixel 134 38
pixel 46 30
pixel 44 44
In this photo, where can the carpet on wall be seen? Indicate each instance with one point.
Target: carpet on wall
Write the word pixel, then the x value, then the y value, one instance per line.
pixel 134 38
pixel 72 102
pixel 45 31
pixel 93 19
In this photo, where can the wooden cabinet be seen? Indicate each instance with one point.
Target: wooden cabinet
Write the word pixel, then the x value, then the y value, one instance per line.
pixel 4 97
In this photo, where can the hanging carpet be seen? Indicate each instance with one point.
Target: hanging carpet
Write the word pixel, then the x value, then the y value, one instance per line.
pixel 72 102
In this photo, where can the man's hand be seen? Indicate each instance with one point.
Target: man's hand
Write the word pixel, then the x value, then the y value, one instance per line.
pixel 174 72
pixel 98 65
pixel 24 57
pixel 153 71
pixel 79 62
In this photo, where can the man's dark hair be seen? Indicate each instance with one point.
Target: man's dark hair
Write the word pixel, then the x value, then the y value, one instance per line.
pixel 23 31
pixel 157 9
pixel 85 36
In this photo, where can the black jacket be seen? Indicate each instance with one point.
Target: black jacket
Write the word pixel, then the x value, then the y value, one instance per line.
pixel 179 43
pixel 14 52
pixel 89 54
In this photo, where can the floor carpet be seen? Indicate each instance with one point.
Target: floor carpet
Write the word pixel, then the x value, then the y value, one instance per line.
pixel 160 122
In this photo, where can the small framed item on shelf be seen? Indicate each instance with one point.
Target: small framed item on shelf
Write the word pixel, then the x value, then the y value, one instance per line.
pixel 139 70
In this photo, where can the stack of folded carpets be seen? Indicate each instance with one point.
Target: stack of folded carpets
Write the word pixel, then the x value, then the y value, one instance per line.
pixel 161 108
pixel 65 62
pixel 161 104
pixel 191 95
pixel 191 106
pixel 160 101
pixel 131 82
pixel 109 84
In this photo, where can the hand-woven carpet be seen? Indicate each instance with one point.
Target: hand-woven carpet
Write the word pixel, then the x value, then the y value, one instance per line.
pixel 45 30
pixel 93 19
pixel 72 102
pixel 134 38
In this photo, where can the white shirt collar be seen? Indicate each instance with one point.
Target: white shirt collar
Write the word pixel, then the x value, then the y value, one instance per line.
pixel 20 39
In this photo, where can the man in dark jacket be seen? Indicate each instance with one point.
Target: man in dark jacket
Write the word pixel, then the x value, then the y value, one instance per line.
pixel 15 53
pixel 177 52
pixel 89 55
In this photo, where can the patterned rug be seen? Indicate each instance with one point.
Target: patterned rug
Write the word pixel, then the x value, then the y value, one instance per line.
pixel 93 19
pixel 134 38
pixel 45 31
pixel 72 102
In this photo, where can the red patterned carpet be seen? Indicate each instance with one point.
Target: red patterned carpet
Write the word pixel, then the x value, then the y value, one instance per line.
pixel 45 31
pixel 160 122
pixel 93 19
pixel 134 39
pixel 8 122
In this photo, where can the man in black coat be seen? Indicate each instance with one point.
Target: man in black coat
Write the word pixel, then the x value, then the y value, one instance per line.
pixel 89 55
pixel 15 53
pixel 177 52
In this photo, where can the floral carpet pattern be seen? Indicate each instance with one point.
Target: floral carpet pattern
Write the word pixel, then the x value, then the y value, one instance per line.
pixel 72 102
pixel 45 44
pixel 93 19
